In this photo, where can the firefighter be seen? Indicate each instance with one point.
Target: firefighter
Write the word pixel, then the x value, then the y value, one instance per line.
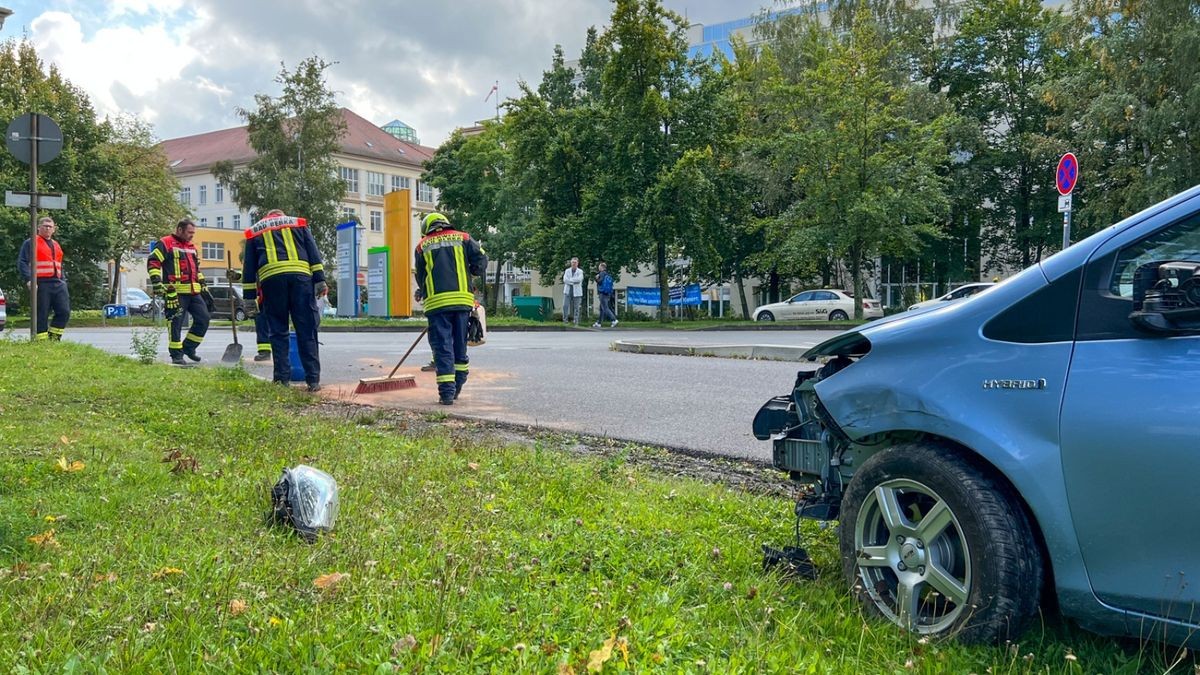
pixel 445 258
pixel 175 275
pixel 52 283
pixel 282 276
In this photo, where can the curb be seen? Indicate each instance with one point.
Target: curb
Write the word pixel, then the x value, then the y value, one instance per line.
pixel 760 352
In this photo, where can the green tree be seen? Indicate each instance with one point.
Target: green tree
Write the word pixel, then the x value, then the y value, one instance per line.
pixel 140 198
pixel 1128 105
pixel 80 172
pixel 866 147
pixel 294 137
pixel 1003 58
pixel 479 194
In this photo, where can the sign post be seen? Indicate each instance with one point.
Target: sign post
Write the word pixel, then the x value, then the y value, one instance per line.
pixel 1065 178
pixel 34 139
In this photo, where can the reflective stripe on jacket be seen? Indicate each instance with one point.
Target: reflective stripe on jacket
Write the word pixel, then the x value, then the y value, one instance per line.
pixel 173 261
pixel 285 247
pixel 444 259
pixel 49 259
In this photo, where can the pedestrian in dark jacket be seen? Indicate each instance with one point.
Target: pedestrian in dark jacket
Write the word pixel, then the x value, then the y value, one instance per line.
pixel 604 288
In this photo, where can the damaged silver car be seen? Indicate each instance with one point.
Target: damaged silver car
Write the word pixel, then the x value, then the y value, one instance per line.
pixel 1039 437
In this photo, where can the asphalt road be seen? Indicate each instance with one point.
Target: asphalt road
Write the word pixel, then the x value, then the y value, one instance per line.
pixel 569 381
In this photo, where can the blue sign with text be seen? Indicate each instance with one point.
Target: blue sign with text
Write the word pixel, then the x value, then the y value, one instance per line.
pixel 679 295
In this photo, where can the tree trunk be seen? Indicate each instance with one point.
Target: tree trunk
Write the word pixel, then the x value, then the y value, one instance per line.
pixel 773 286
pixel 741 286
pixel 496 289
pixel 856 277
pixel 664 292
pixel 116 279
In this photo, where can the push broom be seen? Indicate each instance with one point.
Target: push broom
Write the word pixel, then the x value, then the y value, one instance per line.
pixel 374 385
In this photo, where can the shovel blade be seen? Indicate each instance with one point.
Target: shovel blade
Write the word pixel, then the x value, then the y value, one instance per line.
pixel 233 354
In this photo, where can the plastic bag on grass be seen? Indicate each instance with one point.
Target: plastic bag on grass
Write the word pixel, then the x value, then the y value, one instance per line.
pixel 306 499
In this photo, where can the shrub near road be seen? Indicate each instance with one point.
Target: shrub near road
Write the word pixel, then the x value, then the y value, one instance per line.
pixel 453 552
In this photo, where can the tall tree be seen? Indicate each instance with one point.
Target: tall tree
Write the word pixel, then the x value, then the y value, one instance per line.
pixel 140 199
pixel 867 148
pixel 1003 57
pixel 294 137
pixel 1129 105
pixel 80 172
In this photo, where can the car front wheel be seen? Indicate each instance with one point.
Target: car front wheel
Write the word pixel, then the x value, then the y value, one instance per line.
pixel 765 316
pixel 937 545
pixel 240 315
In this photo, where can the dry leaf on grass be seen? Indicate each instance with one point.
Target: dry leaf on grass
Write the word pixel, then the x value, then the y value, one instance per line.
pixel 65 440
pixel 407 643
pixel 44 540
pixel 166 572
pixel 474 466
pixel 109 578
pixel 329 581
pixel 68 467
pixel 599 657
pixel 566 669
pixel 237 607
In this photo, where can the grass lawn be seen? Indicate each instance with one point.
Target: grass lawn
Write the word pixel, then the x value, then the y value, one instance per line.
pixel 461 553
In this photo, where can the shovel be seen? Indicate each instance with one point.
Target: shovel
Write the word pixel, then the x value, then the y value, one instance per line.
pixel 233 352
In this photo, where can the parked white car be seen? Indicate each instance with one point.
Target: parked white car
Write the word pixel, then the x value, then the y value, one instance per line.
pixel 960 293
pixel 818 305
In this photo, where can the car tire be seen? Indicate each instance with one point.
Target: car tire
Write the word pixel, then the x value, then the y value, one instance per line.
pixel 240 315
pixel 978 569
pixel 838 315
pixel 765 316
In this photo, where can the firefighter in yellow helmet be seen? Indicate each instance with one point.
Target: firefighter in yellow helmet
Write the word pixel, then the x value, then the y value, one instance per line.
pixel 445 260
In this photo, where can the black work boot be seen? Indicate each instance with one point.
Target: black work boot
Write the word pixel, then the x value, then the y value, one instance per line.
pixel 262 356
pixel 177 359
pixel 191 354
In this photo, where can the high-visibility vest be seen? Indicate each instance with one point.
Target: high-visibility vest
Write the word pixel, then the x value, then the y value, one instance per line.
pixel 49 259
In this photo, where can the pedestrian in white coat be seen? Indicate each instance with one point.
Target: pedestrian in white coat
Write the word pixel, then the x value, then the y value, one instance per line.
pixel 572 292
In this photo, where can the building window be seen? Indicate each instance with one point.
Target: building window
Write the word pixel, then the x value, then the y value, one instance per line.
pixel 212 250
pixel 203 195
pixel 377 221
pixel 348 214
pixel 220 222
pixel 237 221
pixel 185 195
pixel 204 222
pixel 401 183
pixel 424 192
pixel 219 197
pixel 350 178
pixel 375 183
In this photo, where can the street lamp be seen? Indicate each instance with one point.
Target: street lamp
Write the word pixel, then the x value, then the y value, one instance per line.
pixel 4 14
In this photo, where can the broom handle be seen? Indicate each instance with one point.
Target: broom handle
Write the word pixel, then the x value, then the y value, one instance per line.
pixel 414 346
pixel 232 299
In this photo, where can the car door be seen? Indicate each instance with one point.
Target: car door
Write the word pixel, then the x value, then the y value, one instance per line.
pixel 1130 434
pixel 799 306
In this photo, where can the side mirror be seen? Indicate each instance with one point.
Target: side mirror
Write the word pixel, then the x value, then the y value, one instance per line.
pixel 1166 297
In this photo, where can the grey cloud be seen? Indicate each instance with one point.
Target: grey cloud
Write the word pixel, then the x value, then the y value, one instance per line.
pixel 383 48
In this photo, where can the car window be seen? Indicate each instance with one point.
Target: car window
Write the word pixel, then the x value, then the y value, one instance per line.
pixel 802 297
pixel 825 295
pixel 960 293
pixel 1180 241
pixel 136 294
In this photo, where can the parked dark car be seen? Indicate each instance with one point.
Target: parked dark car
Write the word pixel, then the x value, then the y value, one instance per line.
pixel 221 298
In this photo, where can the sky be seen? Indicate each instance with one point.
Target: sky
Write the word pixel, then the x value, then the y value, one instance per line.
pixel 187 65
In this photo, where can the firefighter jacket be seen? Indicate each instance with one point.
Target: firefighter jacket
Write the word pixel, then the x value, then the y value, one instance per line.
pixel 173 261
pixel 279 245
pixel 444 259
pixel 49 259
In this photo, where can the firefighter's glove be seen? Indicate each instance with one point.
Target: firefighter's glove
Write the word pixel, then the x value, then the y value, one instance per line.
pixel 160 289
pixel 209 302
pixel 419 295
pixel 320 288
pixel 251 309
pixel 171 305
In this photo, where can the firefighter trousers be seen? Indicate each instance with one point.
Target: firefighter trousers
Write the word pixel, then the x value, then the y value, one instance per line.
pixel 193 305
pixel 261 331
pixel 448 338
pixel 284 297
pixel 52 296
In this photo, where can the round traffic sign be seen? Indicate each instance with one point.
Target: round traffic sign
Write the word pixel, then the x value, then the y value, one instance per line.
pixel 19 138
pixel 1067 174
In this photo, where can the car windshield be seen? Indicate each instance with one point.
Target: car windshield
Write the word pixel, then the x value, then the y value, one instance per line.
pixel 136 294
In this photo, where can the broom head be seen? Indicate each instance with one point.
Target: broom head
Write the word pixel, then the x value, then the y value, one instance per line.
pixel 374 385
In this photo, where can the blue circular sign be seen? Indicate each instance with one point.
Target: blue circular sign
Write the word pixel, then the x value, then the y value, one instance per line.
pixel 1067 174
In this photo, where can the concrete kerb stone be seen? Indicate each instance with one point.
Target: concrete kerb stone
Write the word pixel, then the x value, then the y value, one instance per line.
pixel 764 352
